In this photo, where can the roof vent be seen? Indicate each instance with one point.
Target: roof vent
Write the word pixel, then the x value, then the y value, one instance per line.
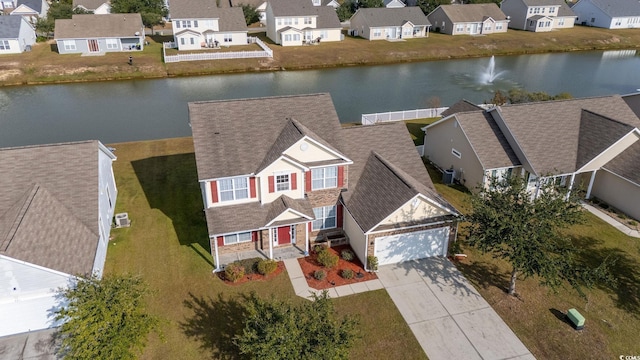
pixel 122 220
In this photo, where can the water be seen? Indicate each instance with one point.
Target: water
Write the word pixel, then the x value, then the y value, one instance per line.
pixel 152 109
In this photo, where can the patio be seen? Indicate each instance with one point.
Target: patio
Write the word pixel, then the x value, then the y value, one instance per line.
pixel 279 254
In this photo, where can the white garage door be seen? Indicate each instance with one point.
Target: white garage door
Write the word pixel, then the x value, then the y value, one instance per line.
pixel 416 245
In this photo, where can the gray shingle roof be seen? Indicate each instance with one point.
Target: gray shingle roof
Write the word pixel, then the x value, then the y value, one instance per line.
pixel 98 26
pixel 473 12
pixel 232 19
pixel 326 15
pixel 543 2
pixel 194 9
pixel 460 106
pixel 89 4
pixel 597 133
pixel 32 4
pixel 627 164
pixel 10 26
pixel 618 8
pixel 633 100
pixel 549 132
pixel 49 205
pixel 327 18
pixel 565 10
pixel 375 17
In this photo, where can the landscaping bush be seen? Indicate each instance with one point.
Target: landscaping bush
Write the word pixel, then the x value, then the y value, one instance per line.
pixel 318 248
pixel 320 274
pixel 250 265
pixel 328 259
pixel 347 255
pixel 372 263
pixel 234 272
pixel 266 266
pixel 347 273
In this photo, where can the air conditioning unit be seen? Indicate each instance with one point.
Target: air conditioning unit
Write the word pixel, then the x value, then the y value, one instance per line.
pixel 122 220
pixel 448 176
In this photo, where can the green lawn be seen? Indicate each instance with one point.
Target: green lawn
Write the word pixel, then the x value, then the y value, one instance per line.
pixel 612 311
pixel 415 128
pixel 167 245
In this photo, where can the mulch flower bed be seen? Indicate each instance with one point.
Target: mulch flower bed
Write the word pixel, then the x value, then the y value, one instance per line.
pixel 253 277
pixel 309 265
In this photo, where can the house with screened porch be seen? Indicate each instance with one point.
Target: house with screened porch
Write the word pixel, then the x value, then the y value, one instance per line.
pixel 281 174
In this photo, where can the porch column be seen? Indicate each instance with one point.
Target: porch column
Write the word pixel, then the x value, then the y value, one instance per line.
pixel 271 243
pixel 216 256
pixel 306 239
pixel 573 177
pixel 593 177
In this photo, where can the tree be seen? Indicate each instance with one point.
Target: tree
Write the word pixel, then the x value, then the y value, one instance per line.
pixel 251 14
pixel 105 318
pixel 428 6
pixel 370 3
pixel 151 11
pixel 346 10
pixel 499 98
pixel 57 10
pixel 278 330
pixel 527 232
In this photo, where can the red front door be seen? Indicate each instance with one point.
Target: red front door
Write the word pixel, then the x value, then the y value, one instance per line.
pixel 284 235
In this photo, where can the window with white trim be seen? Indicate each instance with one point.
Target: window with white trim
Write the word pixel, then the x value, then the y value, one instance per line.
pixel 498 26
pixel 4 45
pixel 307 21
pixel 456 153
pixel 112 44
pixel 195 23
pixel 377 32
pixel 237 238
pixel 69 45
pixel 282 182
pixel 228 38
pixel 459 28
pixel 324 178
pixel 325 218
pixel 233 189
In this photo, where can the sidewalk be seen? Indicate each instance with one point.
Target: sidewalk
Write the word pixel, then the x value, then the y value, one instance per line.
pixel 611 221
pixel 301 288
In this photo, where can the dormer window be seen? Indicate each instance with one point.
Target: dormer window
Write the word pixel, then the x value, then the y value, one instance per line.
pixel 233 188
pixel 324 178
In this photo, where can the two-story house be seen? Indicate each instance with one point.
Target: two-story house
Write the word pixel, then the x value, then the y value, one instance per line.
pixel 608 14
pixel 538 15
pixel 280 172
pixel 292 23
pixel 31 10
pixel 199 24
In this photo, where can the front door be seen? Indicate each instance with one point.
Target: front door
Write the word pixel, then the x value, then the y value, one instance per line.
pixel 93 45
pixel 284 235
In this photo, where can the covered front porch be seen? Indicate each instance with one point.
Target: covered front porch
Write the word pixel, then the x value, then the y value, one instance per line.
pixel 281 253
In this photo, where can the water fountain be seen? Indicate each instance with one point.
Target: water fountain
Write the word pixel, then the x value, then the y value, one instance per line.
pixel 490 75
pixel 485 79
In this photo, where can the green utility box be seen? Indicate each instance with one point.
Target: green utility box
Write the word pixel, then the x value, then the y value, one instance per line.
pixel 576 319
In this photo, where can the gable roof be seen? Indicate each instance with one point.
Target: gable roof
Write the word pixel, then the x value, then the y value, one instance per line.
pixel 472 12
pixel 627 164
pixel 35 5
pixel 375 17
pixel 10 26
pixel 565 10
pixel 596 134
pixel 617 8
pixel 96 26
pixel 549 132
pixel 633 101
pixel 543 2
pixel 49 205
pixel 460 106
pixel 292 8
pixel 232 19
pixel 90 4
pixel 194 9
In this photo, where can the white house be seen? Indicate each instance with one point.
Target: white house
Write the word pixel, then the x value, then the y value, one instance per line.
pixel 538 15
pixel 98 7
pixel 30 9
pixel 292 23
pixel 15 34
pixel 389 23
pixel 608 14
pixel 56 208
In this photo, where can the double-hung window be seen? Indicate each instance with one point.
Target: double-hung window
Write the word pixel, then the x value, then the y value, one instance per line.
pixel 237 238
pixel 69 44
pixel 4 45
pixel 112 44
pixel 325 217
pixel 234 189
pixel 282 182
pixel 324 178
pixel 228 38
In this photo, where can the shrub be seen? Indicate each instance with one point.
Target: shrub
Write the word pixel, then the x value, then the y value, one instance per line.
pixel 372 263
pixel 328 259
pixel 320 274
pixel 632 222
pixel 347 255
pixel 266 266
pixel 318 248
pixel 347 273
pixel 234 272
pixel 250 265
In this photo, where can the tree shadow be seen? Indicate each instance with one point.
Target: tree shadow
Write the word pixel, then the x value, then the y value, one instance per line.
pixel 624 268
pixel 485 275
pixel 214 323
pixel 170 184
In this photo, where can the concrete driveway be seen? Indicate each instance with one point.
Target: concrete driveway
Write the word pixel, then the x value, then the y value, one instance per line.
pixel 447 315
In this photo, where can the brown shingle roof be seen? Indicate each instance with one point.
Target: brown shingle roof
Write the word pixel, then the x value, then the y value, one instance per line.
pixel 326 15
pixel 627 164
pixel 375 17
pixel 194 9
pixel 460 106
pixel 473 12
pixel 597 133
pixel 97 26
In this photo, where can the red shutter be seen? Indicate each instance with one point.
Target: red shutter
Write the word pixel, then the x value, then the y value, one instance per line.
pixel 254 236
pixel 271 184
pixel 214 191
pixel 294 181
pixel 340 176
pixel 310 228
pixel 307 178
pixel 252 187
pixel 220 241
pixel 339 215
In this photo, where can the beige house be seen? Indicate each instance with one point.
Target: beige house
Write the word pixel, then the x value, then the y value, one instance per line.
pixel 538 15
pixel 469 19
pixel 295 23
pixel 589 144
pixel 389 23
pixel 303 179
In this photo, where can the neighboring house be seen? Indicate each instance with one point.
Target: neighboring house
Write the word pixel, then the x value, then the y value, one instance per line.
pixel 98 7
pixel 56 209
pixel 16 34
pixel 538 15
pixel 87 34
pixel 394 4
pixel 588 143
pixel 30 9
pixel 302 179
pixel 608 14
pixel 333 3
pixel 469 19
pixel 293 23
pixel 260 5
pixel 199 24
pixel 389 23
pixel 461 106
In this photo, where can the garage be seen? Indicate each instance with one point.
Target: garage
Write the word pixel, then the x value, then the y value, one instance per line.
pixel 410 246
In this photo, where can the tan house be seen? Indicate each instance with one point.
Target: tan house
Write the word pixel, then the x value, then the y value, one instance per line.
pixel 469 19
pixel 389 23
pixel 302 179
pixel 588 144
pixel 301 22
pixel 538 15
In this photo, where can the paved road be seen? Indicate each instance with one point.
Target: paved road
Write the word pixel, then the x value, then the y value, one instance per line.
pixel 447 315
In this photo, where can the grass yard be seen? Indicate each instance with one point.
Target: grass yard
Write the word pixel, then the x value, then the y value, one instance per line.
pixel 167 245
pixel 612 311
pixel 415 129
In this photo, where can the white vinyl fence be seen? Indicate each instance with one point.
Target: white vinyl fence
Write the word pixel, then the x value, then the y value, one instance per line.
pixel 370 119
pixel 266 52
